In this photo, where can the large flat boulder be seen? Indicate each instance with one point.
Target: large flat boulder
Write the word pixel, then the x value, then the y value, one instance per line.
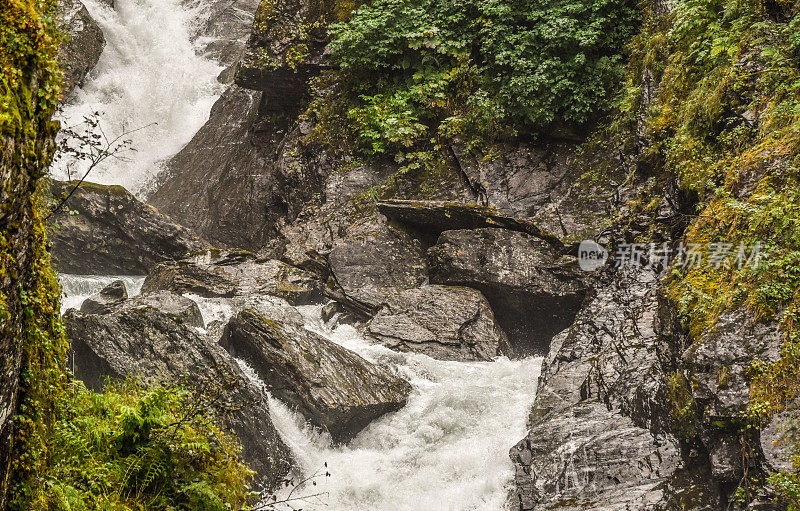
pixel 228 273
pixel 105 230
pixel 444 322
pixel 155 347
pixel 332 387
pixel 534 291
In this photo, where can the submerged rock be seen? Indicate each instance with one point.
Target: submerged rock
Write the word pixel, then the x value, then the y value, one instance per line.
pixel 227 273
pixel 443 322
pixel 85 42
pixel 155 347
pixel 332 387
pixel 103 230
pixel 534 292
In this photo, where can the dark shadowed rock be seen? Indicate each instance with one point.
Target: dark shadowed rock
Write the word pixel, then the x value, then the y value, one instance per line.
pixel 719 365
pixel 155 347
pixel 227 273
pixel 720 360
pixel 374 260
pixel 81 51
pixel 242 173
pixel 599 431
pixel 434 217
pixel 106 300
pixel 534 292
pixel 106 230
pixel 449 323
pixel 332 387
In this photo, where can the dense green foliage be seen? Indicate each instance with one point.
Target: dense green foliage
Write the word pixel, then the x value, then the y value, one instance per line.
pixel 131 448
pixel 415 69
pixel 726 125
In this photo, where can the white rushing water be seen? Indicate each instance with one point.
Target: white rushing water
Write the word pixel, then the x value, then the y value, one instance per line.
pixel 77 288
pixel 447 449
pixel 149 72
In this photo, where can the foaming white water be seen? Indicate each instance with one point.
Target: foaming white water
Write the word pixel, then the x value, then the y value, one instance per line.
pixel 77 288
pixel 447 449
pixel 149 72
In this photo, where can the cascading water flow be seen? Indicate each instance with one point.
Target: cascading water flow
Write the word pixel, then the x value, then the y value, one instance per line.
pixel 447 449
pixel 150 78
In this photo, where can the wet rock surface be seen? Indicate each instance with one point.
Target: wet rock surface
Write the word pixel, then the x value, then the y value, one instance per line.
pixel 85 42
pixel 534 292
pixel 226 273
pixel 115 297
pixel 373 260
pixel 600 432
pixel 444 322
pixel 155 347
pixel 332 387
pixel 103 229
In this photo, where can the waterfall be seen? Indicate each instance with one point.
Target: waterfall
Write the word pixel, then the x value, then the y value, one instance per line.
pixel 150 77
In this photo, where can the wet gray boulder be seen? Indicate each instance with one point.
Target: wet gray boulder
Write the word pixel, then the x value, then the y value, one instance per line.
pixel 83 46
pixel 443 322
pixel 173 304
pixel 105 230
pixel 155 347
pixel 534 291
pixel 106 300
pixel 600 431
pixel 115 297
pixel 228 273
pixel 374 260
pixel 332 387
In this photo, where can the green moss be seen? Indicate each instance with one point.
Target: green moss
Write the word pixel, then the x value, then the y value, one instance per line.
pixel 682 407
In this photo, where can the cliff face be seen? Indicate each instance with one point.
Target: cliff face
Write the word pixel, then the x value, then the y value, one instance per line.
pixel 28 89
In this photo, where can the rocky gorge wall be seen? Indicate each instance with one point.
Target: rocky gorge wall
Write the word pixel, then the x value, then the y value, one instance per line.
pixel 646 400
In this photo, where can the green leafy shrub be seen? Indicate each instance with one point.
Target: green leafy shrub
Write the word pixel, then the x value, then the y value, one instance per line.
pixel 131 448
pixel 469 67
